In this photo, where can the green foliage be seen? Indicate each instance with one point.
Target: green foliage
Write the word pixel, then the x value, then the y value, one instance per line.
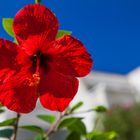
pixel 2 110
pixel 73 136
pixel 63 32
pixel 75 107
pixel 97 135
pixel 100 109
pixel 7 25
pixel 33 128
pixel 74 125
pixel 125 121
pixel 9 122
pixel 47 118
pixel 1 105
pixel 6 133
pixel 39 137
pixel 15 41
pixel 112 135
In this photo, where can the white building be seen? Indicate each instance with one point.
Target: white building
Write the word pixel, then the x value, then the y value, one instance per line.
pixel 108 89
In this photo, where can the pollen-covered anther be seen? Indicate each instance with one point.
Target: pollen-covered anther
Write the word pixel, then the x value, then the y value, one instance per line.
pixel 35 80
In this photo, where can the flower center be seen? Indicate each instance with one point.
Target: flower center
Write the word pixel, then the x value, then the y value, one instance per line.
pixel 39 60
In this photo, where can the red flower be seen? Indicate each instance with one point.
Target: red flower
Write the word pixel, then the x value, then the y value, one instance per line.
pixel 40 66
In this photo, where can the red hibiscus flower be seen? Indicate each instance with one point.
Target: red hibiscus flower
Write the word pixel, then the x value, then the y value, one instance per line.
pixel 40 66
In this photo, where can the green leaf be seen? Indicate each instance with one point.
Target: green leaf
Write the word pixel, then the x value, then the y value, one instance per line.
pixel 33 128
pixel 15 41
pixel 75 107
pixel 47 118
pixel 2 110
pixel 39 137
pixel 92 134
pixel 100 109
pixel 7 25
pixel 112 135
pixel 1 105
pixel 96 135
pixel 73 136
pixel 6 133
pixel 73 124
pixel 9 122
pixel 63 32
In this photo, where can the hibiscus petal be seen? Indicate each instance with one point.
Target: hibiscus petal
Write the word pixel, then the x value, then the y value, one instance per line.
pixel 8 65
pixel 57 90
pixel 17 94
pixel 70 57
pixel 35 19
pixel 8 53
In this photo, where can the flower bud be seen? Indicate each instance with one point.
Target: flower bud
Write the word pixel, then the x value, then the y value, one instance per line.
pixel 38 1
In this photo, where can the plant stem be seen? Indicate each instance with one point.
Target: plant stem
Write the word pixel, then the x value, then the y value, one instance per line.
pixel 62 115
pixel 82 112
pixel 54 126
pixel 16 126
pixel 37 1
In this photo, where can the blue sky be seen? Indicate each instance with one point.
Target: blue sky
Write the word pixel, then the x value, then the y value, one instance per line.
pixel 110 29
